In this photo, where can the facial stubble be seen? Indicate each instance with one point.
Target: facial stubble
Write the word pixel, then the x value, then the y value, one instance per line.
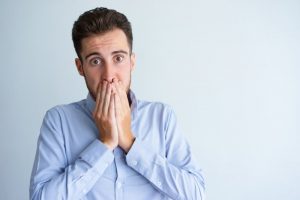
pixel 94 95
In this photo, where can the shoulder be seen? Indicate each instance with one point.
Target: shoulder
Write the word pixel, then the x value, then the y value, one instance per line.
pixel 157 111
pixel 154 106
pixel 56 112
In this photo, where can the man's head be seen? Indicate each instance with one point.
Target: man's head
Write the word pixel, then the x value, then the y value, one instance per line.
pixel 99 21
pixel 103 42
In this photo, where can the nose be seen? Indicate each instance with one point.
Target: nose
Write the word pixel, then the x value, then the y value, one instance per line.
pixel 108 73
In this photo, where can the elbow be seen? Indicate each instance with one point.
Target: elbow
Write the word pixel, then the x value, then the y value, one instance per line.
pixel 198 191
pixel 35 192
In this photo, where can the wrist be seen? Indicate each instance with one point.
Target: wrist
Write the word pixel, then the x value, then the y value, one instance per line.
pixel 110 145
pixel 126 147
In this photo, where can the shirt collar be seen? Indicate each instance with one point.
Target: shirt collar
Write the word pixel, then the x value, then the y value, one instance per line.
pixel 90 102
pixel 134 104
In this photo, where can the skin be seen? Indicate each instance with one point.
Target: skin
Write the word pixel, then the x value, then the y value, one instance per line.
pixel 106 64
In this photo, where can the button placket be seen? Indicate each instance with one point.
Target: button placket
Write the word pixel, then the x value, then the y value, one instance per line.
pixel 134 162
pixel 119 182
pixel 119 185
pixel 158 183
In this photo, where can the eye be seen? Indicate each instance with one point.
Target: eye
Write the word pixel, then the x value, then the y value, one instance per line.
pixel 119 58
pixel 95 61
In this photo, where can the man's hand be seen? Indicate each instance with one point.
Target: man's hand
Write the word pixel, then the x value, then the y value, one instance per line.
pixel 123 116
pixel 105 116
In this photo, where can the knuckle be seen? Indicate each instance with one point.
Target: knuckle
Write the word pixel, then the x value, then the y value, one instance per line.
pixel 98 116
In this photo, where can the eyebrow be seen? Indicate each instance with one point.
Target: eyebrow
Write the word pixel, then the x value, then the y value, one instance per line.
pixel 92 54
pixel 119 51
pixel 112 53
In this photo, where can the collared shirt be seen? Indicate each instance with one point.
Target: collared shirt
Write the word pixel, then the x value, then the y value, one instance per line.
pixel 71 163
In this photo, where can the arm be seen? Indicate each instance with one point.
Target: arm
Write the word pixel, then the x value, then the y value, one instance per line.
pixel 175 174
pixel 52 176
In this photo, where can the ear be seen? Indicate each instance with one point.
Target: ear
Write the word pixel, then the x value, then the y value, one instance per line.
pixel 79 66
pixel 132 61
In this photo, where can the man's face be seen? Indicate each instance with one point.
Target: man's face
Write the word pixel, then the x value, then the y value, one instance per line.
pixel 104 58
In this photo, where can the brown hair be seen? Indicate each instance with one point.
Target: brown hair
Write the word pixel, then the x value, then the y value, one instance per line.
pixel 99 21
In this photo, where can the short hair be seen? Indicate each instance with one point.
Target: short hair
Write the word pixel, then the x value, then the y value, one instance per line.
pixel 99 21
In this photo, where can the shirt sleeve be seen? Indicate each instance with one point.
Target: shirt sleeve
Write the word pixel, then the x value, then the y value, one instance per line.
pixel 52 177
pixel 175 174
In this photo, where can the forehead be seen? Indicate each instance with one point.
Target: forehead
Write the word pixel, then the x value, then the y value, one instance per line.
pixel 105 43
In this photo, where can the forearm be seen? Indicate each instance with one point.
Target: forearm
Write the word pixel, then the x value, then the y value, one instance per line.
pixel 50 181
pixel 177 182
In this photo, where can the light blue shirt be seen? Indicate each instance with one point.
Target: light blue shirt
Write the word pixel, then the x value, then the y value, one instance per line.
pixel 71 163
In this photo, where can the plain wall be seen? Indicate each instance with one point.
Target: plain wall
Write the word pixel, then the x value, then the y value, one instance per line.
pixel 229 68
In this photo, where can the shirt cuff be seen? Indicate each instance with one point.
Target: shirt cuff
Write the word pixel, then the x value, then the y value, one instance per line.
pixel 97 155
pixel 140 157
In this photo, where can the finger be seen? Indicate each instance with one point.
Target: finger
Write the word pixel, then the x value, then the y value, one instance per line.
pixel 106 100
pixel 102 97
pixel 118 106
pixel 111 111
pixel 113 88
pixel 118 97
pixel 97 98
pixel 122 93
pixel 118 88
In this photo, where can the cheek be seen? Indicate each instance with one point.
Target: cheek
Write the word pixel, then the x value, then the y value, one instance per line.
pixel 124 76
pixel 93 79
pixel 123 73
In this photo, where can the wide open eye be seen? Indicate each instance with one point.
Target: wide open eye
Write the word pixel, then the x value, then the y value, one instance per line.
pixel 118 58
pixel 95 61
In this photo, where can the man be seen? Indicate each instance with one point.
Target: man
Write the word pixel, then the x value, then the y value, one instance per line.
pixel 111 145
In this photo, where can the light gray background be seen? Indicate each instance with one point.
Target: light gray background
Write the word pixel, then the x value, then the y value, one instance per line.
pixel 229 68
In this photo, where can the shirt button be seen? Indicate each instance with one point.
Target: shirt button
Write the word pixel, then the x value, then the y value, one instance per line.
pixel 134 162
pixel 119 185
pixel 159 183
